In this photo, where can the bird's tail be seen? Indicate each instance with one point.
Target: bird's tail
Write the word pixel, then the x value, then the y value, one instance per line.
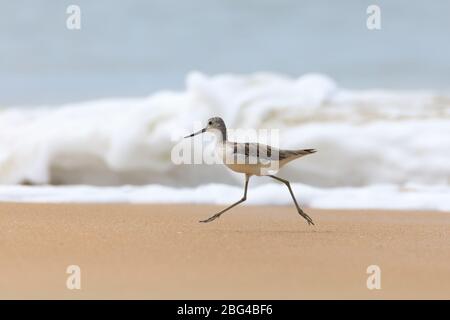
pixel 303 152
pixel 290 155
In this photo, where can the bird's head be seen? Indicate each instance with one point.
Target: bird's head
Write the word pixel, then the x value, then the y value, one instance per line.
pixel 214 124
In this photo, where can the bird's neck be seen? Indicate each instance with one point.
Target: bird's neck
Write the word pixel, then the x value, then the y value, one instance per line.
pixel 221 135
pixel 223 132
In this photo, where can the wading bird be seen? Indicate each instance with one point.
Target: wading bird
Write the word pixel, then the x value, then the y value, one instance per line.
pixel 252 159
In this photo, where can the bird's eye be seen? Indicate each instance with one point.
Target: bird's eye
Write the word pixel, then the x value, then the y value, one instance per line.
pixel 210 123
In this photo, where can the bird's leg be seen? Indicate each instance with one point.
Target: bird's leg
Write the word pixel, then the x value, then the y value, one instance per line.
pixel 300 211
pixel 217 215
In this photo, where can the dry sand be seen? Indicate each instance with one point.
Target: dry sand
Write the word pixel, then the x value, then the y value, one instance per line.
pixel 162 252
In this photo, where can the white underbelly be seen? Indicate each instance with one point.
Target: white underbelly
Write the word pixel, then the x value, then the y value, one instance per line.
pixel 251 169
pixel 247 165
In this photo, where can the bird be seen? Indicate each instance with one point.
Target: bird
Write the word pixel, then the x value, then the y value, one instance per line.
pixel 251 159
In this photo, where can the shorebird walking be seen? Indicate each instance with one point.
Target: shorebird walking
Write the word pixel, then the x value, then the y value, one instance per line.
pixel 252 159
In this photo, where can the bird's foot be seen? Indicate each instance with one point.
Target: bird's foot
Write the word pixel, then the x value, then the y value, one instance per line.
pixel 307 218
pixel 214 217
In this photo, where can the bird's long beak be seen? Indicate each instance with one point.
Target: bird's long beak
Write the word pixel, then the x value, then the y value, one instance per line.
pixel 196 133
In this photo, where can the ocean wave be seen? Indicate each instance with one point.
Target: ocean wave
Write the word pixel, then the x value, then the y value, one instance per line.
pixel 363 138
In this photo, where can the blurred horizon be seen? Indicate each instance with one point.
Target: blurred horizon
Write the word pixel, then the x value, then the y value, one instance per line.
pixel 135 48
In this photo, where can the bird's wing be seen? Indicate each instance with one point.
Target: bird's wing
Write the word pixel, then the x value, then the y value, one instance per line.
pixel 259 151
pixel 265 152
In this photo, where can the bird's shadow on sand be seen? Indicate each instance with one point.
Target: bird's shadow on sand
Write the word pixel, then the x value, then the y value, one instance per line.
pixel 273 231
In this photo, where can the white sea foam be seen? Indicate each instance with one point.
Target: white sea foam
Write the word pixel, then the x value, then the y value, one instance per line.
pixel 363 138
pixel 370 197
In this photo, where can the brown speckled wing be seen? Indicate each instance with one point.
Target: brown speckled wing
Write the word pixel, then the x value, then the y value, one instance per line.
pixel 263 151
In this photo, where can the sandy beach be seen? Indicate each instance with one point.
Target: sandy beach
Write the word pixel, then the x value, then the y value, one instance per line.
pixel 162 252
